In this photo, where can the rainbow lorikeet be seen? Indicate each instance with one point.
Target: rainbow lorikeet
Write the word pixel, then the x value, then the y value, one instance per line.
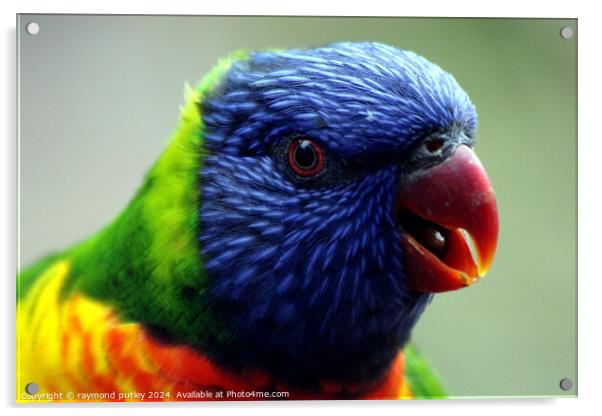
pixel 284 244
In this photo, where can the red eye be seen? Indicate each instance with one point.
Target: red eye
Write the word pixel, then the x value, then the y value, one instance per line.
pixel 305 157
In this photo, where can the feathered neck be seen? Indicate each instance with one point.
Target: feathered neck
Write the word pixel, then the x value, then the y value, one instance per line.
pixel 147 261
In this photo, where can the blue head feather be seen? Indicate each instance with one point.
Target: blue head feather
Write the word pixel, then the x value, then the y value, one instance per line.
pixel 307 276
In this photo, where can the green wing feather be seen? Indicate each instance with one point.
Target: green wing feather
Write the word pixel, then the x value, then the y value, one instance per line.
pixel 423 381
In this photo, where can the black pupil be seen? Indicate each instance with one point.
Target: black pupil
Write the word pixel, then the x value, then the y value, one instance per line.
pixel 305 155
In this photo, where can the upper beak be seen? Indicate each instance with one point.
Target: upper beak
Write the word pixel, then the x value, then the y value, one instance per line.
pixel 456 198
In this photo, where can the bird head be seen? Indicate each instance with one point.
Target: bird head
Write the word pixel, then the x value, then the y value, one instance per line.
pixel 339 190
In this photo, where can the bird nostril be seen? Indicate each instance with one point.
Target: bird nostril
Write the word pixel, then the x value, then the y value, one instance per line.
pixel 434 145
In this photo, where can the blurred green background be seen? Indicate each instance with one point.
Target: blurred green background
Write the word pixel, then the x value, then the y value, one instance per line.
pixel 100 95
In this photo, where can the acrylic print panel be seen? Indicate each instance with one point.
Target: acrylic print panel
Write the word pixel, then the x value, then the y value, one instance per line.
pixel 249 208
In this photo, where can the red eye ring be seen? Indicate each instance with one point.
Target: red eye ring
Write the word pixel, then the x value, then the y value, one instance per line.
pixel 305 157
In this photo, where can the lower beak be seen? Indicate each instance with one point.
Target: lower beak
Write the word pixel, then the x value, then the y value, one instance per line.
pixel 455 201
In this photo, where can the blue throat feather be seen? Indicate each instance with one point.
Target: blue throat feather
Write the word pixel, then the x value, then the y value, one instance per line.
pixel 307 273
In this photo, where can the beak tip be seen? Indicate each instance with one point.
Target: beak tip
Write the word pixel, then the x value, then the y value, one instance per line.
pixel 484 266
pixel 486 253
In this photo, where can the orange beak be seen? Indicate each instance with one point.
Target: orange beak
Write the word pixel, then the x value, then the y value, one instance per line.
pixel 439 208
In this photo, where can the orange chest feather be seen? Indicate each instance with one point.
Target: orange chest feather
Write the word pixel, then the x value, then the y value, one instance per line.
pixel 78 346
